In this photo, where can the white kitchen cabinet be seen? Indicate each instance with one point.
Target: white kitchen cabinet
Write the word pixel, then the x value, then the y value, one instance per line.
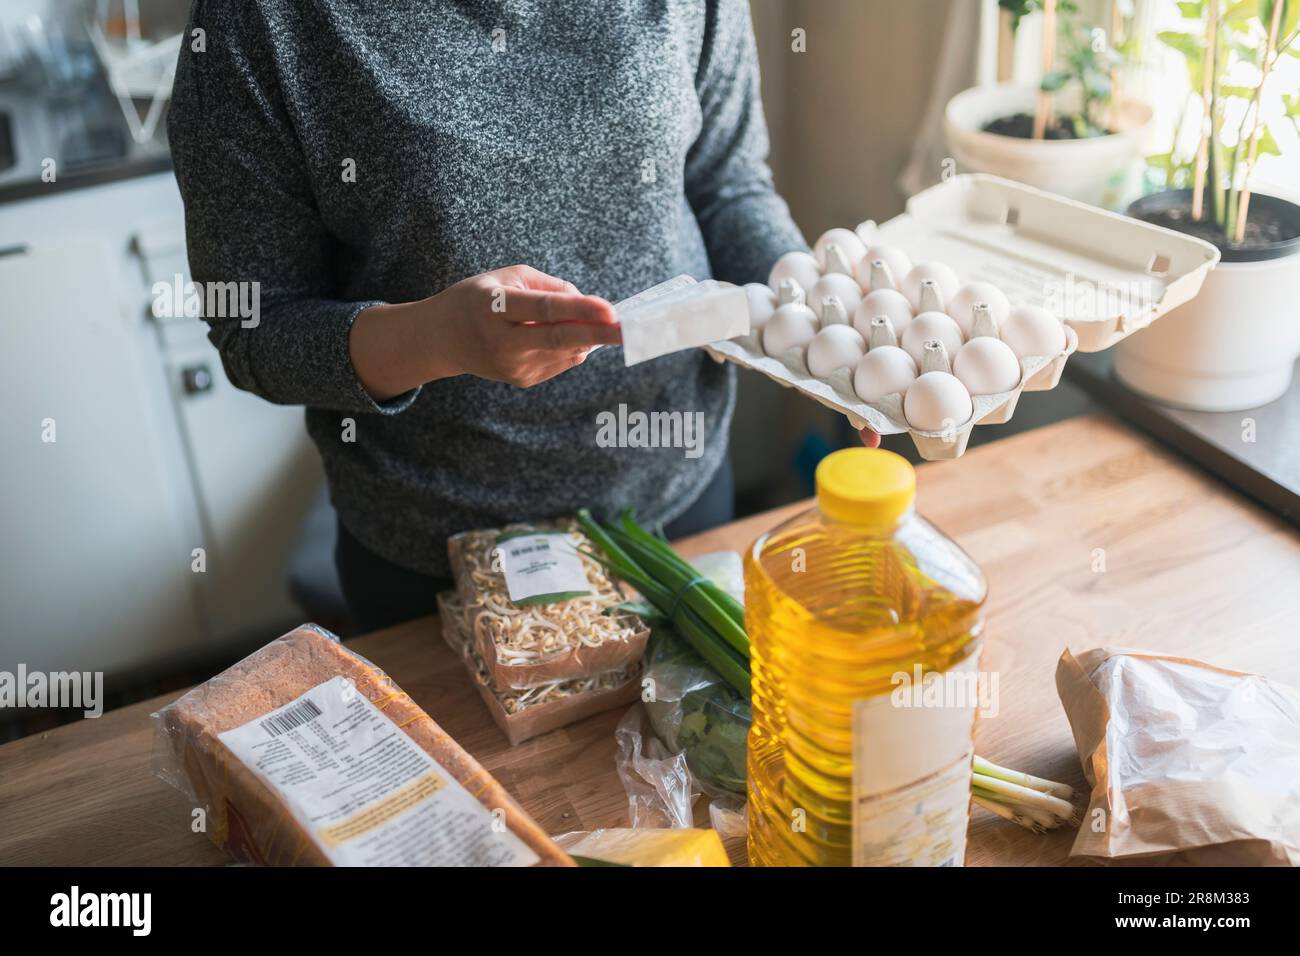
pixel 156 454
pixel 95 569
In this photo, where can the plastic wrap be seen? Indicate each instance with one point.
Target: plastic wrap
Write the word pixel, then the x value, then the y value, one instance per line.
pixel 254 746
pixel 1189 763
pixel 530 712
pixel 524 645
pixel 696 713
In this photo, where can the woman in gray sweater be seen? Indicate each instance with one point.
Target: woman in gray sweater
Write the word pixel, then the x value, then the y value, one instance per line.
pixel 438 201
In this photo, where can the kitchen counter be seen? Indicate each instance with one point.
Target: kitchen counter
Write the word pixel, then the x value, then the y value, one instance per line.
pixel 1187 566
pixel 1256 451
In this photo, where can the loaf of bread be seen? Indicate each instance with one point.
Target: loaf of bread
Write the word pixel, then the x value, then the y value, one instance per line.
pixel 249 817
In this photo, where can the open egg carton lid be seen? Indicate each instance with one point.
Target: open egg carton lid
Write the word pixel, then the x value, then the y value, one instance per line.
pixel 1104 274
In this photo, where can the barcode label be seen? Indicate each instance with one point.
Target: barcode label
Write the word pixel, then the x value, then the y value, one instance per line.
pixel 303 712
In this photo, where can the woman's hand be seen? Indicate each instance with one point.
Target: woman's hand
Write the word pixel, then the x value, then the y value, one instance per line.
pixel 869 438
pixel 515 325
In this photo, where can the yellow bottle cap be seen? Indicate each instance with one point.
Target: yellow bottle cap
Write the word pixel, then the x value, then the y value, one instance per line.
pixel 865 486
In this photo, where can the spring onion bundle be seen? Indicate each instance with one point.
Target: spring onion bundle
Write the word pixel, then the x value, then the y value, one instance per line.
pixel 713 623
pixel 710 619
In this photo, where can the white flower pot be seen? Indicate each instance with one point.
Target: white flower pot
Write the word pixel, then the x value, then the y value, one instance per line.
pixel 1235 345
pixel 1094 170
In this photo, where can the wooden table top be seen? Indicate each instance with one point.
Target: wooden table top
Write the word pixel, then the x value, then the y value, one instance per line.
pixel 1189 567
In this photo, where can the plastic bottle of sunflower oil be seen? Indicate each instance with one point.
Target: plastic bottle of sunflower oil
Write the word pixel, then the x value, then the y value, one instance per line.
pixel 865 628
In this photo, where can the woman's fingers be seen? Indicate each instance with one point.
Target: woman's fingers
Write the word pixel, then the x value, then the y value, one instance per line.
pixel 535 305
pixel 537 279
pixel 869 438
pixel 566 335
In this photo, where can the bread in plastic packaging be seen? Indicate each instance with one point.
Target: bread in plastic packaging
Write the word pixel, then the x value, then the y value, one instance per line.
pixel 531 712
pixel 305 753
pixel 1189 763
pixel 540 639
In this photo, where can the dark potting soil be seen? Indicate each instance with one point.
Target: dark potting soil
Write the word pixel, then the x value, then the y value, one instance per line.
pixel 1263 227
pixel 1021 126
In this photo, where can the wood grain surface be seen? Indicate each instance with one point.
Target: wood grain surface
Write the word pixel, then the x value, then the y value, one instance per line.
pixel 1088 534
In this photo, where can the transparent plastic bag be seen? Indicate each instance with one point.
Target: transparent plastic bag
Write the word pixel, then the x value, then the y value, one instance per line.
pixel 695 712
pixel 689 736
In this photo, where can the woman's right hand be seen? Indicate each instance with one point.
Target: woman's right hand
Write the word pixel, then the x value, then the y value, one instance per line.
pixel 515 325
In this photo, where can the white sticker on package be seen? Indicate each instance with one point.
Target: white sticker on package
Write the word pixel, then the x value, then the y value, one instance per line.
pixel 912 770
pixel 364 790
pixel 539 568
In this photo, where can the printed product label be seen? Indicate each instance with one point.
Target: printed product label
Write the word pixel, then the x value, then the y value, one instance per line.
pixel 911 773
pixel 541 568
pixel 364 790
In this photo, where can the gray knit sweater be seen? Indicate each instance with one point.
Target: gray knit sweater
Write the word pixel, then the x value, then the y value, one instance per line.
pixel 614 143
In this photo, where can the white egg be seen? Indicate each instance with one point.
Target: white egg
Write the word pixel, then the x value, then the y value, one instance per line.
pixel 791 326
pixel 1031 330
pixel 886 302
pixel 937 402
pixel 962 306
pixel 839 285
pixel 894 257
pixel 848 241
pixel 799 266
pixel 834 347
pixel 986 365
pixel 762 303
pixel 926 326
pixel 883 371
pixel 943 276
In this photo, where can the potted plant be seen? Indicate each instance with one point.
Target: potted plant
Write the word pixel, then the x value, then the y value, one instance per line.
pixel 1074 134
pixel 1234 346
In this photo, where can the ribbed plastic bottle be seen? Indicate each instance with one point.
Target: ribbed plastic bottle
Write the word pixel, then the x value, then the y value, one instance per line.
pixel 865 625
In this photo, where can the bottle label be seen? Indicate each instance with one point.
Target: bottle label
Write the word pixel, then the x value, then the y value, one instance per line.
pixel 912 751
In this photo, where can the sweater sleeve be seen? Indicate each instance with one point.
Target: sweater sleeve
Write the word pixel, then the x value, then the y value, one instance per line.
pixel 250 217
pixel 746 225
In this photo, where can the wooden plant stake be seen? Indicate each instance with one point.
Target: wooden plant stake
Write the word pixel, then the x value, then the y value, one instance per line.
pixel 1044 106
pixel 1207 103
pixel 1243 203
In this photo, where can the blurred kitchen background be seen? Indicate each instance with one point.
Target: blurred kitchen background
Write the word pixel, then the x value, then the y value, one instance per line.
pixel 157 454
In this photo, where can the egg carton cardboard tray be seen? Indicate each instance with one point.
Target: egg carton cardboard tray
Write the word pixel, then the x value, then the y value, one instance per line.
pixel 1102 273
pixel 1037 373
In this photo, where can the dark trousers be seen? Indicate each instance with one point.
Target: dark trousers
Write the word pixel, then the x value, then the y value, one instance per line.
pixel 381 594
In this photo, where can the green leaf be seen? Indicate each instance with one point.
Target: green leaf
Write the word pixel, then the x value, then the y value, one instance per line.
pixel 1267 145
pixel 1192 9
pixel 1240 92
pixel 1188 44
pixel 1054 81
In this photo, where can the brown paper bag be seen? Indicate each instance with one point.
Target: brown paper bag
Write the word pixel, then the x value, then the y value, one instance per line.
pixel 1189 763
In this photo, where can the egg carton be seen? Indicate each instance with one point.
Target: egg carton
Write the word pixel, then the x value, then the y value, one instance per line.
pixel 1038 373
pixel 1103 275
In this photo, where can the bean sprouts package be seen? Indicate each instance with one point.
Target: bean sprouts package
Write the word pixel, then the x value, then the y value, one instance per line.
pixel 306 754
pixel 1189 763
pixel 524 714
pixel 539 608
